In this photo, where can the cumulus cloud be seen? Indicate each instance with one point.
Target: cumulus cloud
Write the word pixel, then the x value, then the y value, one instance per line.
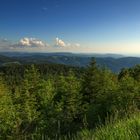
pixel 63 44
pixel 60 42
pixel 31 42
pixel 37 45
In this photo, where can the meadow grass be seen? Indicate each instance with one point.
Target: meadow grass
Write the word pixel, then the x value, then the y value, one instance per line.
pixel 125 129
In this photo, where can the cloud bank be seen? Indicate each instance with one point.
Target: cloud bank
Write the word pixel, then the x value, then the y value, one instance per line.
pixel 31 42
pixel 36 45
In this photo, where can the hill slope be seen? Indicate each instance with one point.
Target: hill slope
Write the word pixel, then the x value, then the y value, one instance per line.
pixel 115 64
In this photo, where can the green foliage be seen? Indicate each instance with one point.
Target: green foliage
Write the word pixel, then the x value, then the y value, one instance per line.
pixel 7 111
pixel 68 101
pixel 40 103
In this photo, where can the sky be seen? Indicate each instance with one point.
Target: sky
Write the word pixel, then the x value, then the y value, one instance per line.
pixel 89 26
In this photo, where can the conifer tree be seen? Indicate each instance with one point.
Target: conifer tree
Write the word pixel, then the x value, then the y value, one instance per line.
pixel 7 111
pixel 68 99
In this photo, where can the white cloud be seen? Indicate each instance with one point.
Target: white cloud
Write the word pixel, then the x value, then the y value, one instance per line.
pixel 31 42
pixel 29 45
pixel 60 42
pixel 63 44
pixel 37 45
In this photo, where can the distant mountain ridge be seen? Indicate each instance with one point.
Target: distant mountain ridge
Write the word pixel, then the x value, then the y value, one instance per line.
pixel 22 54
pixel 112 61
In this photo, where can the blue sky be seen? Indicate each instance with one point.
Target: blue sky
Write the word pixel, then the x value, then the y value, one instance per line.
pixel 103 26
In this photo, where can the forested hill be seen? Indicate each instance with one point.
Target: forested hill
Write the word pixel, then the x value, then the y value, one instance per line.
pixel 113 62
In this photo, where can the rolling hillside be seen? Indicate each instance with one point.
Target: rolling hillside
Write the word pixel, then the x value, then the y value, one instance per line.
pixel 115 63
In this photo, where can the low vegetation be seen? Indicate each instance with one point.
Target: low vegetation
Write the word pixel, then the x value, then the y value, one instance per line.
pixel 126 129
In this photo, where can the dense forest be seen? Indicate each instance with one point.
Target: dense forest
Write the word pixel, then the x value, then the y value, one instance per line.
pixel 52 101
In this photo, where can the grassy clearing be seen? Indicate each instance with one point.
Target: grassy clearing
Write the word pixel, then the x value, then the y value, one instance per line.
pixel 126 129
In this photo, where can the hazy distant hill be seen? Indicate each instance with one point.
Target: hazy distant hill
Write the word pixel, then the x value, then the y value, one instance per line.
pixel 23 54
pixel 111 61
pixel 5 59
